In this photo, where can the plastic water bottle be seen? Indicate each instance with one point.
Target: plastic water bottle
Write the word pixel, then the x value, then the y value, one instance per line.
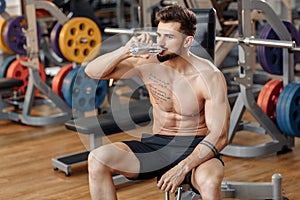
pixel 145 48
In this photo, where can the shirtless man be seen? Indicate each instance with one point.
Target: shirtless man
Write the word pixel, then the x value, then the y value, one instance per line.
pixel 190 114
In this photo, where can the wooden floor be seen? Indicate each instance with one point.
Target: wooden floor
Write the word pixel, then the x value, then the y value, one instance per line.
pixel 26 172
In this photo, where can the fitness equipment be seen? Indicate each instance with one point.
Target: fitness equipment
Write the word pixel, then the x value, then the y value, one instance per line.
pixel 79 91
pixel 287 109
pixel 58 79
pixel 238 190
pixel 268 97
pixel 77 40
pixel 82 92
pixel 245 100
pixel 271 58
pixel 13 34
pixel 5 65
pixel 35 78
pixel 3 46
pixel 12 39
pixel 18 71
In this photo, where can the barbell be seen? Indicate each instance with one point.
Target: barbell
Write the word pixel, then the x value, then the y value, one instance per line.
pixel 246 40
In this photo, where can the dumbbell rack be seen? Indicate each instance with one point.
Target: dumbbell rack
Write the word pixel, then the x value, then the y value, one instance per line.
pixel 35 81
pixel 246 100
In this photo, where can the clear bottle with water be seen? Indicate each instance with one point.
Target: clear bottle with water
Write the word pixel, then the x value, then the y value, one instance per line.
pixel 145 48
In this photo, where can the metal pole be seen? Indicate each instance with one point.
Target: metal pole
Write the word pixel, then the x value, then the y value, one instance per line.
pixel 242 40
pixel 277 190
pixel 259 42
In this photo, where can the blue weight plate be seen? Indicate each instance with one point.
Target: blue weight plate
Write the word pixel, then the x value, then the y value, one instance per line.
pixel 67 87
pixel 271 58
pixel 292 115
pixel 281 108
pixel 2 6
pixel 88 93
pixel 5 65
pixel 101 92
pixel 288 110
pixel 54 36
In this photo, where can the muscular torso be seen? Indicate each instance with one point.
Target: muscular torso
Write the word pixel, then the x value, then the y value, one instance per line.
pixel 177 99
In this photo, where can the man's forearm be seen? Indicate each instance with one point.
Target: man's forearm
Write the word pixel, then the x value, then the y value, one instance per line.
pixel 204 151
pixel 106 64
pixel 201 154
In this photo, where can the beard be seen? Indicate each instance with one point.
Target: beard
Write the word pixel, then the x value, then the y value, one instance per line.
pixel 163 58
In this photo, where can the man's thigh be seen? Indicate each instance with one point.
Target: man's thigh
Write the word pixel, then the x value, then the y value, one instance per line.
pixel 118 157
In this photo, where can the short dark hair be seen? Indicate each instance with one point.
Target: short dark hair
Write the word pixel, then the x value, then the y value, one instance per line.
pixel 177 13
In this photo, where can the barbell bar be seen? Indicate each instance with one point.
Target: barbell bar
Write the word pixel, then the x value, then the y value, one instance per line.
pixel 245 40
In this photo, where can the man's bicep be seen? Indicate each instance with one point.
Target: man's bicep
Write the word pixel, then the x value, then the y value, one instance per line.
pixel 123 70
pixel 217 110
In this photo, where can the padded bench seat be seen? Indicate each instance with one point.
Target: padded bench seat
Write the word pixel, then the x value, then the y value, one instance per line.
pixel 6 83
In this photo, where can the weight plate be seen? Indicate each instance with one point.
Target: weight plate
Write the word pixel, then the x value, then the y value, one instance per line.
pixel 79 39
pixel 2 6
pixel 42 13
pixel 58 79
pixel 67 87
pixel 14 36
pixel 54 35
pixel 268 97
pixel 3 46
pixel 288 110
pixel 18 71
pixel 5 65
pixel 271 58
pixel 82 92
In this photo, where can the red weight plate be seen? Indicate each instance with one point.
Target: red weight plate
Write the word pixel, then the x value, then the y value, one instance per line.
pixel 18 71
pixel 58 79
pixel 268 97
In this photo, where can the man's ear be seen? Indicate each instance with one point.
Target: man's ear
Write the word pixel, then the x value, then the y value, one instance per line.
pixel 188 41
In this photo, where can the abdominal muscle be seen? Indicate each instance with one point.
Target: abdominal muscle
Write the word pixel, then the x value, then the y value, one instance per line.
pixel 170 123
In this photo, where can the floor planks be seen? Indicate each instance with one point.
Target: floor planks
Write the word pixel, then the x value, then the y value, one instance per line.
pixel 26 171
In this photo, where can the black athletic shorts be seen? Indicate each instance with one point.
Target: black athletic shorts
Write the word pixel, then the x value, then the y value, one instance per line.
pixel 159 153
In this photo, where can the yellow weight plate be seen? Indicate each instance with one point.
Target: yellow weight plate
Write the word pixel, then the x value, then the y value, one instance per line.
pixel 2 43
pixel 79 39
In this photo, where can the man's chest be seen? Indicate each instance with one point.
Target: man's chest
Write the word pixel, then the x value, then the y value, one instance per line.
pixel 174 93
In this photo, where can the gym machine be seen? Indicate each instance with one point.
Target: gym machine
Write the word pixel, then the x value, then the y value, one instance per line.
pixel 238 190
pixel 35 82
pixel 72 100
pixel 245 100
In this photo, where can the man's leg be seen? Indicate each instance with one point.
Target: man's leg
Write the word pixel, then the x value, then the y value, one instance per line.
pixel 207 179
pixel 105 161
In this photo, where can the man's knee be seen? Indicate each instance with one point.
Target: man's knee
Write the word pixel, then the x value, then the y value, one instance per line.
pixel 96 160
pixel 206 182
pixel 208 179
pixel 106 157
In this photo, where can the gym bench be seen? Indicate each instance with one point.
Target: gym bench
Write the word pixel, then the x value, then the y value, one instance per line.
pixel 240 190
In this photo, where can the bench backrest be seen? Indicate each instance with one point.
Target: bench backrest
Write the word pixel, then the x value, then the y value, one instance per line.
pixel 204 43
